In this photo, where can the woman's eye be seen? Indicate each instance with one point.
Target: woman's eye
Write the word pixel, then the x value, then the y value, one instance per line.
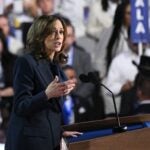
pixel 56 32
pixel 53 32
pixel 61 32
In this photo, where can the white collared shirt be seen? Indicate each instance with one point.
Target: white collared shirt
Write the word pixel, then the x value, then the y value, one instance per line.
pixel 70 56
pixel 121 70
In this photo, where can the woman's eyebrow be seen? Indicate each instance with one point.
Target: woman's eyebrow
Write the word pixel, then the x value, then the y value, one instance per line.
pixel 57 28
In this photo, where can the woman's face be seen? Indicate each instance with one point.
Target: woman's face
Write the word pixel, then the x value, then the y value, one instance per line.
pixel 54 41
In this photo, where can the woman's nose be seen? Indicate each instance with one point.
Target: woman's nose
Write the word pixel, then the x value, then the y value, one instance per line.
pixel 58 35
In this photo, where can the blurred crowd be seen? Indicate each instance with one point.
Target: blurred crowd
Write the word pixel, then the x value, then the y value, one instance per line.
pixel 98 41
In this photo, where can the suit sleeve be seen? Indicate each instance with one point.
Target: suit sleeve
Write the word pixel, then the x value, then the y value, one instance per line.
pixel 84 90
pixel 25 103
pixel 87 63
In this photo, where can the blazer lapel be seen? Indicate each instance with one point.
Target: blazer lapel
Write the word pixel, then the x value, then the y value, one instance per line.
pixel 44 71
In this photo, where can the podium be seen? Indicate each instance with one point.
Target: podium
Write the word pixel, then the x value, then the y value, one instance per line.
pixel 98 135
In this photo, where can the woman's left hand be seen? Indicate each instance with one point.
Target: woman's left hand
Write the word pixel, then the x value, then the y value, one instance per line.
pixel 71 133
pixel 70 85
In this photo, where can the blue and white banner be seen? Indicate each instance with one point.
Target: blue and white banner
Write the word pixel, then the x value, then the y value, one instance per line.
pixel 139 21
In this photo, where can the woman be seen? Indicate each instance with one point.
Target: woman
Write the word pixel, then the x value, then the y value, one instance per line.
pixel 38 83
pixel 113 40
pixel 118 39
pixel 6 72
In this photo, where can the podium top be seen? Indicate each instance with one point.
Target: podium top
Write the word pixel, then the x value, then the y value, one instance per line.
pixel 107 123
pixel 134 140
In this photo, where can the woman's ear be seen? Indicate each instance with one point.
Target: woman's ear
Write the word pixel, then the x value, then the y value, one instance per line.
pixel 45 41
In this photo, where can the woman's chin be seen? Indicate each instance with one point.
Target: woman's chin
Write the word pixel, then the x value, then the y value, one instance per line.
pixel 57 49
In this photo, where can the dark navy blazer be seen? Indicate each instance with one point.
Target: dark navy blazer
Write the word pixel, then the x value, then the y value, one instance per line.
pixel 35 122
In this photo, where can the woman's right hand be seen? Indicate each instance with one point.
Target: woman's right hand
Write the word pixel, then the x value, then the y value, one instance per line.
pixel 55 88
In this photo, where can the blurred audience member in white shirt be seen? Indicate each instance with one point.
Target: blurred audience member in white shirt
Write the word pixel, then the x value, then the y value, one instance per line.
pixel 113 40
pixel 101 15
pixel 121 75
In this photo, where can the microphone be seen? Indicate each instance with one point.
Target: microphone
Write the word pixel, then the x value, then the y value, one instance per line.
pixel 94 78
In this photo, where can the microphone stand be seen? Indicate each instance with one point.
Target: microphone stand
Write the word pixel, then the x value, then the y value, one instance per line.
pixel 119 128
pixel 92 77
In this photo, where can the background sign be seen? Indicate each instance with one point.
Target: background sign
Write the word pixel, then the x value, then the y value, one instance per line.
pixel 139 21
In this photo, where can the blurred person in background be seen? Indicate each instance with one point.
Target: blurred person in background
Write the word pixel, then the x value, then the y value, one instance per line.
pixel 46 6
pixel 80 60
pixel 130 98
pixel 143 86
pixel 101 15
pixel 118 40
pixel 15 46
pixel 113 40
pixel 77 56
pixel 8 10
pixel 7 61
pixel 26 18
pixel 77 11
pixel 28 14
pixel 69 103
pixel 75 109
pixel 122 74
pixel 33 9
pixel 30 8
pixel 23 11
pixel 143 94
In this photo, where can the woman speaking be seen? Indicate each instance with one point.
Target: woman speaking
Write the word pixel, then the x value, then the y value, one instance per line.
pixel 39 86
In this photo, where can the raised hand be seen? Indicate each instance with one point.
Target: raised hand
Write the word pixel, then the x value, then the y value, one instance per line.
pixel 70 84
pixel 57 89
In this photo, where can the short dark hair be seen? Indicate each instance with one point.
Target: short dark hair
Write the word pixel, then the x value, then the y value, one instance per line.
pixel 67 67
